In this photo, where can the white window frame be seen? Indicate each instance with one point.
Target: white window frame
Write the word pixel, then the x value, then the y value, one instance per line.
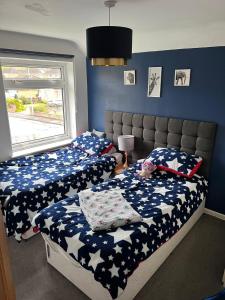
pixel 65 83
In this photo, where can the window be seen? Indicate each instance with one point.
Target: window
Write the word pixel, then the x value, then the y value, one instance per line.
pixel 37 99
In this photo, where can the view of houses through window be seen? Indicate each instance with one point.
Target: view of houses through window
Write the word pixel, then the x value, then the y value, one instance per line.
pixel 34 114
pixel 35 102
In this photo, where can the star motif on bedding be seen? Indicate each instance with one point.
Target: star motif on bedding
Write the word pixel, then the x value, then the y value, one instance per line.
pixel 52 156
pixel 13 168
pixel 166 209
pixel 15 210
pixel 149 221
pixel 139 193
pixel 15 192
pixel 40 181
pixel 49 222
pixel 27 176
pixel 120 176
pixel 5 185
pixel 58 196
pixel 50 170
pixel 71 192
pixel 118 249
pixel 161 157
pixel 31 213
pixel 145 248
pixel 191 186
pixel 178 206
pixel 182 197
pixel 121 235
pixel 179 223
pixel 91 151
pixel 83 176
pixel 160 234
pixel 74 244
pixel 143 229
pixel 95 259
pixel 174 164
pixel 161 190
pixel 114 271
pixel 105 175
pixel 44 194
pixel 62 227
pixel 78 168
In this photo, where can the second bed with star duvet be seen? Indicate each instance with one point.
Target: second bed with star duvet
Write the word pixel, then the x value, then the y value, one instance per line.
pixel 36 181
pixel 165 202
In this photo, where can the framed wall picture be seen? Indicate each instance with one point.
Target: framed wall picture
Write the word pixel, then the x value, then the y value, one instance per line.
pixel 182 77
pixel 129 77
pixel 154 81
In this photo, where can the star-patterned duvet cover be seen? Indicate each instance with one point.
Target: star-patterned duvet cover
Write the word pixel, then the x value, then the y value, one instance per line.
pixel 36 181
pixel 165 202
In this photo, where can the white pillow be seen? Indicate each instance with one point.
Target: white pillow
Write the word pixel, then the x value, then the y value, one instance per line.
pixel 100 134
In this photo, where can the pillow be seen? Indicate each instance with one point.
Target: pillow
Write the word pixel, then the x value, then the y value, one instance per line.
pixel 100 134
pixel 92 144
pixel 175 161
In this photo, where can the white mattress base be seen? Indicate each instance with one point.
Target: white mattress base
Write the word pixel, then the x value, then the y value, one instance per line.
pixel 85 281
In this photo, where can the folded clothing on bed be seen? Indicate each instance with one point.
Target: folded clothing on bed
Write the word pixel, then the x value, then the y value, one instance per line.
pixel 107 209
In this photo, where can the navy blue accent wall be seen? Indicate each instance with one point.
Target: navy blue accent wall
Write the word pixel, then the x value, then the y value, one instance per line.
pixel 204 99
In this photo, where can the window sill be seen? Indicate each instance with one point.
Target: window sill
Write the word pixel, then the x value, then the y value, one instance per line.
pixel 41 148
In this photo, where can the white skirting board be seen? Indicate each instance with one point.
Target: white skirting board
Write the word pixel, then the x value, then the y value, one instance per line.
pixel 85 281
pixel 214 214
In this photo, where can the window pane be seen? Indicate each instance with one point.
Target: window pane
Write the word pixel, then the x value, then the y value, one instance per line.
pixel 35 114
pixel 28 73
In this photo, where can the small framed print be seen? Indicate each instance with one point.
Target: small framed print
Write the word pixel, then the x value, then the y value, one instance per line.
pixel 182 77
pixel 129 77
pixel 154 81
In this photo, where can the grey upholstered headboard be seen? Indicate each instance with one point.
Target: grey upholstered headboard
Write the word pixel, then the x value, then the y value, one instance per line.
pixel 153 131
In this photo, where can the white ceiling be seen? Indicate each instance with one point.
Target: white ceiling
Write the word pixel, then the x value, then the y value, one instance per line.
pixel 157 24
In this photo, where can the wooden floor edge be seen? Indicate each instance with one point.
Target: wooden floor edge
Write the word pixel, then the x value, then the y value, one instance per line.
pixel 6 281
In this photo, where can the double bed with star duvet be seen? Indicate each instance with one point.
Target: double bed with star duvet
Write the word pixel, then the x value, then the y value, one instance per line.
pixel 36 181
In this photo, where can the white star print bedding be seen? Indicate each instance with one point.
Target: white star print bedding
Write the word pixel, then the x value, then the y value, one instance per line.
pixel 36 181
pixel 165 202
pixel 107 209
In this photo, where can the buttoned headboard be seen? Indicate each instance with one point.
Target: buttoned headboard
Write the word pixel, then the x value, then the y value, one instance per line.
pixel 150 132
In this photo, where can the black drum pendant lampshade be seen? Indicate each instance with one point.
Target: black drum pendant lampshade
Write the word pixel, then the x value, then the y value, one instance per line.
pixel 109 45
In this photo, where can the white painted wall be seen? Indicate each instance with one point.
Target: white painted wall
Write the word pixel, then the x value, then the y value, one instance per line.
pixel 20 41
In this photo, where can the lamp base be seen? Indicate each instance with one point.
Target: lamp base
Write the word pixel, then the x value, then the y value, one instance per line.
pixel 125 165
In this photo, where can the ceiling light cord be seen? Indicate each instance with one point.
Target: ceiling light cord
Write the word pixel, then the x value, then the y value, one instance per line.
pixel 109 17
pixel 110 4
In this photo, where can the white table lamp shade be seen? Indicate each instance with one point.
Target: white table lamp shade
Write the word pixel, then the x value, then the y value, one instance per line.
pixel 126 143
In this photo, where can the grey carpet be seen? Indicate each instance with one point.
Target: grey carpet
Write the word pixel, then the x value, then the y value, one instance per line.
pixel 193 271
